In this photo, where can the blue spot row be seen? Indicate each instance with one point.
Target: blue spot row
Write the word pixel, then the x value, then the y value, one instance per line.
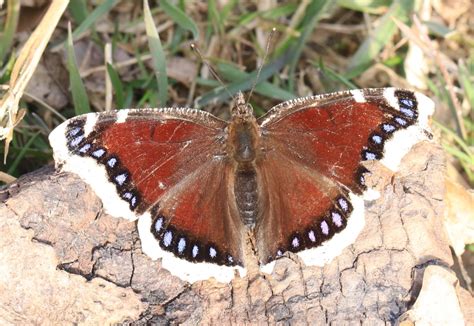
pixel 172 240
pixel 407 104
pixel 323 229
pixel 84 146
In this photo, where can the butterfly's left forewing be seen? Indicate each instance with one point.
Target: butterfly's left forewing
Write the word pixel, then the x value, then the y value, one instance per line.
pixel 164 167
pixel 312 153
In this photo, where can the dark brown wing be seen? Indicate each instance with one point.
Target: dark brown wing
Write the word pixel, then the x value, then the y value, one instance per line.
pixel 312 150
pixel 164 167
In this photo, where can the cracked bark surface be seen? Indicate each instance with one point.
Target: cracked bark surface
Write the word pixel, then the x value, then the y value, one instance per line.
pixel 63 260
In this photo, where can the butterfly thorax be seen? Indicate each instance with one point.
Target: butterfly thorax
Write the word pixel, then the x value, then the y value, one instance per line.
pixel 243 137
pixel 243 133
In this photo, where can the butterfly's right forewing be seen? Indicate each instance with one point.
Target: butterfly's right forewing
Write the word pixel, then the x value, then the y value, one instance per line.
pixel 311 165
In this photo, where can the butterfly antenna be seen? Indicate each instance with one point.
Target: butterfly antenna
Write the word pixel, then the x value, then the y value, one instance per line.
pixel 212 70
pixel 267 49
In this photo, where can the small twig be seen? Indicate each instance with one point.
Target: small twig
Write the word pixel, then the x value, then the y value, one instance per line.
pixel 24 68
pixel 267 49
pixel 211 69
pixel 87 72
pixel 342 29
pixel 446 76
pixel 108 82
pixel 5 177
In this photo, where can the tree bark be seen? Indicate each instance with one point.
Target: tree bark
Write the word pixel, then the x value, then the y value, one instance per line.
pixel 63 260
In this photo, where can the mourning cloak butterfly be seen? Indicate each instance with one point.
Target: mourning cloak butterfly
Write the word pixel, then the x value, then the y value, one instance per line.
pixel 200 187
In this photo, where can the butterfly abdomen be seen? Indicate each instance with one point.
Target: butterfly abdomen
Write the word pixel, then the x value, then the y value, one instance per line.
pixel 246 195
pixel 243 137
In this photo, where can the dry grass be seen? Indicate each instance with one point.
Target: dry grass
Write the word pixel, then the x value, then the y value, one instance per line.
pixel 319 46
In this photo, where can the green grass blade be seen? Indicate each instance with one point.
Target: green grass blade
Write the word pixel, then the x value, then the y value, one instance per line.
pixel 367 6
pixel 215 17
pixel 460 155
pixel 6 70
pixel 444 95
pixel 470 247
pixel 6 39
pixel 78 10
pixel 98 12
pixel 313 13
pixel 279 11
pixel 334 75
pixel 79 94
pixel 117 86
pixel 465 78
pixel 158 55
pixel 458 140
pixel 180 17
pixel 460 149
pixel 438 29
pixel 207 82
pixel 230 72
pixel 379 37
pixel 227 9
pixel 21 154
pixel 219 94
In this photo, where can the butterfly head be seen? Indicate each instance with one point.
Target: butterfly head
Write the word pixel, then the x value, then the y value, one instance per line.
pixel 241 109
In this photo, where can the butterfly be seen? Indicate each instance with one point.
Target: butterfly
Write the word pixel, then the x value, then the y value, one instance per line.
pixel 211 196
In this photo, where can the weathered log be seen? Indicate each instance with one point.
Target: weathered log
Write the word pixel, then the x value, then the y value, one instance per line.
pixel 63 260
